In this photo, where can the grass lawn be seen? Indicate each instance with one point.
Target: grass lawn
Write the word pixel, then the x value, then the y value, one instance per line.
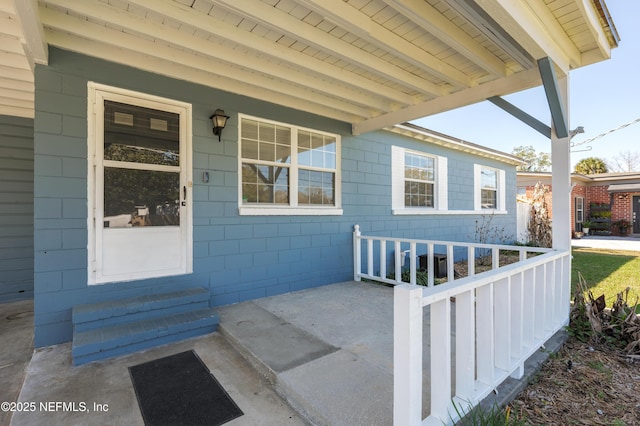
pixel 607 272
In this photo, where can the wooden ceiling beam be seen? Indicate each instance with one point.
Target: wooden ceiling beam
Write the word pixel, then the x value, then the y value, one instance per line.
pixel 355 22
pixel 226 81
pixel 524 25
pixel 429 18
pixel 187 42
pixel 513 83
pixel 33 35
pixel 279 21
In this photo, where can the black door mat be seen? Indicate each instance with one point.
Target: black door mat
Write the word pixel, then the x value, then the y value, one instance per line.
pixel 180 390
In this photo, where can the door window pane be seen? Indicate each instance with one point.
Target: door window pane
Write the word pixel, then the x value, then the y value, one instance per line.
pixel 141 135
pixel 140 198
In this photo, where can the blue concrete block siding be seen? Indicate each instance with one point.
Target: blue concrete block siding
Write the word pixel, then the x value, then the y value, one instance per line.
pixel 236 257
pixel 16 208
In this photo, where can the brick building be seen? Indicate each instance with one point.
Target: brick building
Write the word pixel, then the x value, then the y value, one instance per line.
pixel 603 199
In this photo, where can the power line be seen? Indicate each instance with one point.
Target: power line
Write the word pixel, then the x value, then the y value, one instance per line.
pixel 605 133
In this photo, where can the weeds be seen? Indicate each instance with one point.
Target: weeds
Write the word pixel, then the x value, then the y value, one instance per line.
pixel 590 320
pixel 481 417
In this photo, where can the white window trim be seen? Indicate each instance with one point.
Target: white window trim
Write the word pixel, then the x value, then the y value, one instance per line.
pixel 96 126
pixel 291 209
pixel 441 192
pixel 477 183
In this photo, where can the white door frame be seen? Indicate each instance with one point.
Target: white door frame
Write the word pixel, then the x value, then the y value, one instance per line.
pixel 131 262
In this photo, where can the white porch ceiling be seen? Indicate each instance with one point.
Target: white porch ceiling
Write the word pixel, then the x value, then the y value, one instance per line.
pixel 372 63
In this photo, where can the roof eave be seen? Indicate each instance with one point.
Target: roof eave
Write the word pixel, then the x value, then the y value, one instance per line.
pixel 436 138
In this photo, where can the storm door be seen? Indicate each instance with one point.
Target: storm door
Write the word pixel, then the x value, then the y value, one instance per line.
pixel 141 189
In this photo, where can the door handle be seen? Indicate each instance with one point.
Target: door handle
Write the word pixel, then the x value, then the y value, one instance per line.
pixel 184 198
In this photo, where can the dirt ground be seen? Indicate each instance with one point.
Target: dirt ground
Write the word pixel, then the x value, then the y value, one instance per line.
pixel 583 385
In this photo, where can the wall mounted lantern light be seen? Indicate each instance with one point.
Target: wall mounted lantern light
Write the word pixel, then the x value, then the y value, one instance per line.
pixel 219 120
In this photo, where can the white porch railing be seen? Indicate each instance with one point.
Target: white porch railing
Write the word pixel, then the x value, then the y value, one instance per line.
pixel 500 318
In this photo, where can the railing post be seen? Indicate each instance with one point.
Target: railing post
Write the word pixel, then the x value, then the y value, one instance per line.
pixel 440 358
pixel 471 261
pixel 357 253
pixel 407 355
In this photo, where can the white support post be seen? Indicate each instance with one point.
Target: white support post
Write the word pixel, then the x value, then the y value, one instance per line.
pixel 407 355
pixel 561 179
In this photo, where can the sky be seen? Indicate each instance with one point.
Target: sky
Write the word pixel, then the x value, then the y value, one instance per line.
pixel 603 96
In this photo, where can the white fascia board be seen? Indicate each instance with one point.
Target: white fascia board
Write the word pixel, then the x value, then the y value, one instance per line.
pixel 455 144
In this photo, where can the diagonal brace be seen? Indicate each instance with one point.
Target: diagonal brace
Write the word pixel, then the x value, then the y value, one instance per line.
pixel 521 115
pixel 556 105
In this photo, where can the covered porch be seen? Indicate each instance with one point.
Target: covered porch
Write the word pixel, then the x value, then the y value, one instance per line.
pixel 328 352
pixel 367 64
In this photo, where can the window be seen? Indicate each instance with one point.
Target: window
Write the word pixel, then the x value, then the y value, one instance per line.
pixel 287 169
pixel 579 209
pixel 139 184
pixel 419 182
pixel 489 188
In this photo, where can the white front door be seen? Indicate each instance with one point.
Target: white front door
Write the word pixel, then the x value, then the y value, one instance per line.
pixel 139 186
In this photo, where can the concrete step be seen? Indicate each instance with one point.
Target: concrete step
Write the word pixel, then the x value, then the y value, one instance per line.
pixel 120 339
pixel 328 351
pixel 270 344
pixel 97 315
pixel 113 328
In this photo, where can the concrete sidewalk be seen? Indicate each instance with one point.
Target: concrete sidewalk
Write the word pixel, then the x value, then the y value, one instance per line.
pixel 608 243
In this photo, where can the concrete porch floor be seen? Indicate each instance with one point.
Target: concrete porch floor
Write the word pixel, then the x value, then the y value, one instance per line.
pixel 327 352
